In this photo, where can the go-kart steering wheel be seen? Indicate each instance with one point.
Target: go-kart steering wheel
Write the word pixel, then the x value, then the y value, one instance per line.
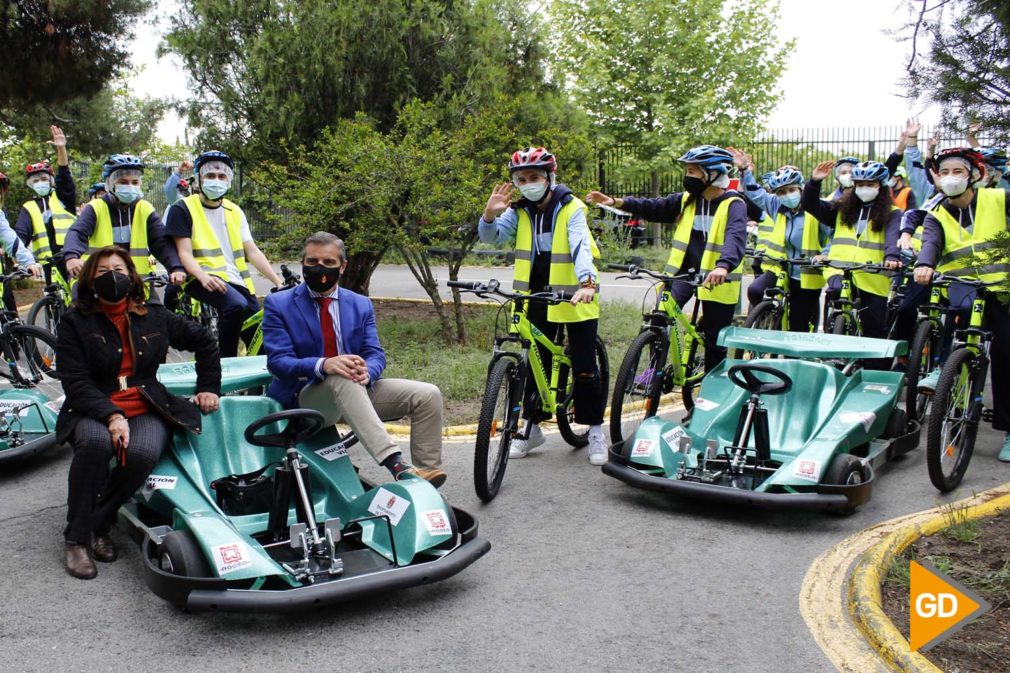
pixel 302 424
pixel 745 377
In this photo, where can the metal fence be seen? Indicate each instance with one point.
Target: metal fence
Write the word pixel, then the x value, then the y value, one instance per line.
pixel 803 147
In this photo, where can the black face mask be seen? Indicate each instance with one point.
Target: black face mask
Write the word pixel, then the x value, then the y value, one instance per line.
pixel 694 186
pixel 320 278
pixel 112 286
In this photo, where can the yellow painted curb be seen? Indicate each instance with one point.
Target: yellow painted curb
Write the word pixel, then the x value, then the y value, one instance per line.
pixel 871 569
pixel 461 431
pixel 826 593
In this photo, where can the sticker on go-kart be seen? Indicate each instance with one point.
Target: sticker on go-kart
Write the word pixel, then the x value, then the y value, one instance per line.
pixel 20 407
pixel 333 452
pixel 877 387
pixel 864 417
pixel 643 448
pixel 56 405
pixel 231 557
pixel 706 405
pixel 386 503
pixel 809 470
pixel 672 437
pixel 437 522
pixel 157 482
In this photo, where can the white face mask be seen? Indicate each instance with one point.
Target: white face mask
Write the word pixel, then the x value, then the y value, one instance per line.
pixel 867 194
pixel 533 191
pixel 845 180
pixel 953 185
pixel 892 183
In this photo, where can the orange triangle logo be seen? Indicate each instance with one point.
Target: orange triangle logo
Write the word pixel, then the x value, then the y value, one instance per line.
pixel 939 606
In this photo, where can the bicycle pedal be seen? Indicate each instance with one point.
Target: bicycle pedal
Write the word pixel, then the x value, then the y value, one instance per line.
pixel 988 415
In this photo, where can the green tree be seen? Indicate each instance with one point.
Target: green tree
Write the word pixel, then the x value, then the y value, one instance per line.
pixel 960 60
pixel 59 50
pixel 662 75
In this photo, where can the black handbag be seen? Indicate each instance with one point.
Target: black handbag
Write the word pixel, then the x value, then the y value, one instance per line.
pixel 250 493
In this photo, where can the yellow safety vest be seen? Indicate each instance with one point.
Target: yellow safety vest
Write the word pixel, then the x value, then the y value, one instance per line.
pixel 959 245
pixel 562 276
pixel 728 292
pixel 772 240
pixel 207 249
pixel 868 249
pixel 102 236
pixel 62 221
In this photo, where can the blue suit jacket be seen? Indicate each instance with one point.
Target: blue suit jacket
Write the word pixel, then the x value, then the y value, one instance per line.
pixel 293 339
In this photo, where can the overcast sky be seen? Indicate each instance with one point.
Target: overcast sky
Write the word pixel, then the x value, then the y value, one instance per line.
pixel 844 72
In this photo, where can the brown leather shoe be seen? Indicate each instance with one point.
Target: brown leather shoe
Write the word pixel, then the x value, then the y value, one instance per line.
pixel 435 476
pixel 103 549
pixel 78 561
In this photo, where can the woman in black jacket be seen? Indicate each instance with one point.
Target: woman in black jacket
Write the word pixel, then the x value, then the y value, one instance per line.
pixel 109 347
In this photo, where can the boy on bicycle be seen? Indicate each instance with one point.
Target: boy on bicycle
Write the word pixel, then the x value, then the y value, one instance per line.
pixel 554 248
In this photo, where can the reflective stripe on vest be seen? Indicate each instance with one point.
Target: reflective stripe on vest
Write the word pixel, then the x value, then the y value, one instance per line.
pixel 774 244
pixel 959 246
pixel 207 249
pixel 865 249
pixel 102 236
pixel 562 276
pixel 728 292
pixel 62 221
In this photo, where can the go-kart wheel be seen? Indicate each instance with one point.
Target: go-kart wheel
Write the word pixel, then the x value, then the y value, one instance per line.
pixel 745 376
pixel 180 554
pixel 845 470
pixel 302 424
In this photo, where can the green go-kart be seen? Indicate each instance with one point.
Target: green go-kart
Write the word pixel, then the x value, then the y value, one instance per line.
pixel 27 423
pixel 300 529
pixel 800 425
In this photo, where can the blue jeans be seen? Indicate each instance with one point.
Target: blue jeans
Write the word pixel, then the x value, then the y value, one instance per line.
pixel 233 307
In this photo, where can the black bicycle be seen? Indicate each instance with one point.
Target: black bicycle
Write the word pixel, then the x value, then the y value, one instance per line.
pixel 29 351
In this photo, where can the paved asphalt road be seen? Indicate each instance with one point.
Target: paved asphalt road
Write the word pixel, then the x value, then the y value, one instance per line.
pixel 585 574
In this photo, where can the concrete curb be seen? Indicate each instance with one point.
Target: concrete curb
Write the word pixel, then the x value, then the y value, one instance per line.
pixel 463 431
pixel 864 598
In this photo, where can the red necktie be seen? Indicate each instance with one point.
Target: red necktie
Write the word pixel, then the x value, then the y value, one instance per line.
pixel 330 348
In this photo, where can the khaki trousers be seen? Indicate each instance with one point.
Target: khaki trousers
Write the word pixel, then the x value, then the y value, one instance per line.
pixel 341 400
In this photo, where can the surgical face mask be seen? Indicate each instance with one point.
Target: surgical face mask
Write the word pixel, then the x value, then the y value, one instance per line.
pixel 112 286
pixel 215 189
pixel 320 278
pixel 892 183
pixel 953 185
pixel 533 191
pixel 790 200
pixel 867 194
pixel 845 180
pixel 127 193
pixel 42 189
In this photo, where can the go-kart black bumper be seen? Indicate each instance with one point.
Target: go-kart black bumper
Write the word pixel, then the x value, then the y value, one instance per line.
pixel 32 447
pixel 196 594
pixel 827 498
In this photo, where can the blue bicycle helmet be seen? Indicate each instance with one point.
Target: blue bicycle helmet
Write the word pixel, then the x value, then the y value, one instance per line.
pixel 765 177
pixel 994 158
pixel 783 178
pixel 846 160
pixel 97 187
pixel 871 171
pixel 118 161
pixel 213 155
pixel 709 157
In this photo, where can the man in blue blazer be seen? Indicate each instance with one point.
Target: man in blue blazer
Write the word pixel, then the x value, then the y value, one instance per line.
pixel 324 352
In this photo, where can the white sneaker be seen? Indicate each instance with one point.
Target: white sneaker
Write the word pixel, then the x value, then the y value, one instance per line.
pixel 928 384
pixel 597 449
pixel 520 448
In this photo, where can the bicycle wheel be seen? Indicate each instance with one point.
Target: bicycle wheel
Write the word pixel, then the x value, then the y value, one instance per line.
pixel 46 313
pixel 639 385
pixel 925 347
pixel 499 419
pixel 695 364
pixel 953 421
pixel 34 351
pixel 577 435
pixel 765 315
pixel 839 325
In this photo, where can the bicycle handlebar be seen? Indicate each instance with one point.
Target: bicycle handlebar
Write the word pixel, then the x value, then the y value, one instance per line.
pixel 493 286
pixel 691 277
pixel 16 274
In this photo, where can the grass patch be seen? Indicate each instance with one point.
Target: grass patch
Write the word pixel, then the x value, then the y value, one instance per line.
pixel 900 572
pixel 411 335
pixel 959 527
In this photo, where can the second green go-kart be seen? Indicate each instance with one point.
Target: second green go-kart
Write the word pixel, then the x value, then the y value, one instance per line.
pixel 316 534
pixel 803 427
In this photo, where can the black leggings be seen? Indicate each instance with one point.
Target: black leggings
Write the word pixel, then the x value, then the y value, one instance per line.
pixel 95 493
pixel 714 317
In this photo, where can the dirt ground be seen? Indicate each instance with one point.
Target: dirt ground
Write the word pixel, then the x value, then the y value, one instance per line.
pixel 981 561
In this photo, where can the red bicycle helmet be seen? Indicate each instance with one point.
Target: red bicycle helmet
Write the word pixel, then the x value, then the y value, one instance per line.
pixel 971 155
pixel 533 157
pixel 40 167
pixel 183 184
